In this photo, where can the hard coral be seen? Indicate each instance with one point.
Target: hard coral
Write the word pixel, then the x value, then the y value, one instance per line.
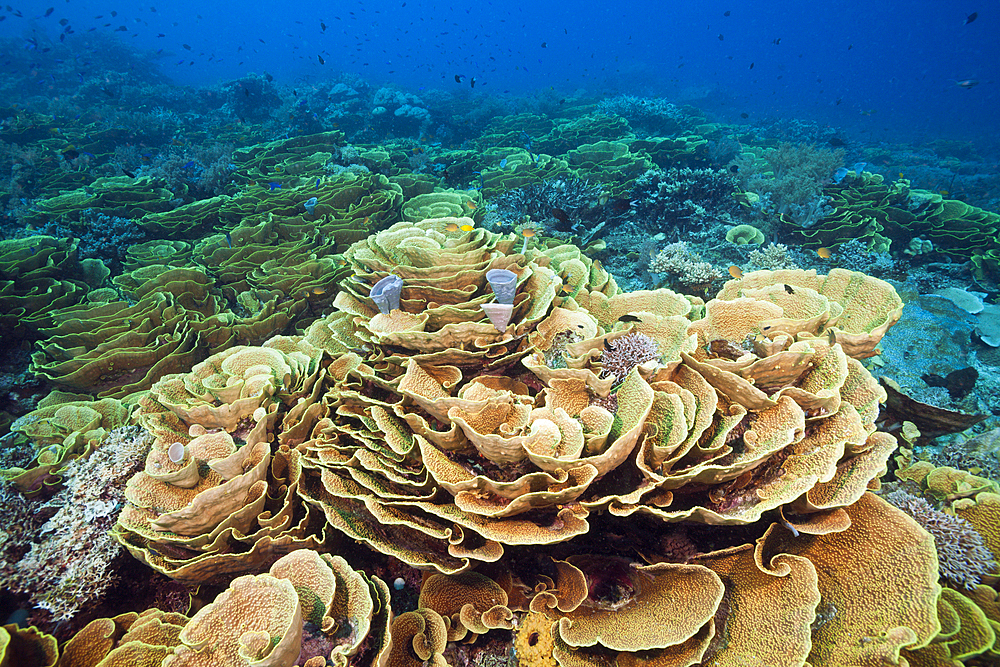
pixel 962 553
pixel 67 567
pixel 623 354
pixel 683 265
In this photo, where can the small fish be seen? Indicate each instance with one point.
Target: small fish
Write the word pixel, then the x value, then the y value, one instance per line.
pixel 788 288
pixel 186 46
pixel 318 291
pixel 561 215
pixel 528 232
pixel 317 184
pixel 968 19
pixel 467 228
pixel 545 44
pixel 968 84
pixel 942 192
pixel 451 227
pixel 48 12
pixel 721 37
pixel 727 13
pixel 629 317
pixel 321 61
pixel 274 186
pixel 70 153
pixel 734 168
pixel 471 205
pixel 32 249
pixel 735 271
pixel 776 42
pixel 367 220
pixel 472 82
pixel 229 240
pixel 824 253
pixel 751 65
pixel 744 115
pixel 128 173
pixel 459 77
pixel 189 164
pixel 859 167
pixel 503 163
pixel 839 175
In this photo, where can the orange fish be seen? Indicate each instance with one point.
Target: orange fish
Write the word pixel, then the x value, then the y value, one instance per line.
pixel 366 220
pixel 319 291
pixel 451 227
pixel 471 205
pixel 735 271
pixel 467 228
pixel 825 253
pixel 528 232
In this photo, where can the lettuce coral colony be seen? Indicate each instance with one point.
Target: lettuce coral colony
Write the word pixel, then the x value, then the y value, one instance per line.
pixel 368 427
pixel 615 477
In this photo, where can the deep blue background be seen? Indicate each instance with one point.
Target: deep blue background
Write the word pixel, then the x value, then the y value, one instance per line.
pixel 891 65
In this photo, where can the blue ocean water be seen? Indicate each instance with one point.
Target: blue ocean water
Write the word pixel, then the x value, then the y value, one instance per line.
pixel 881 70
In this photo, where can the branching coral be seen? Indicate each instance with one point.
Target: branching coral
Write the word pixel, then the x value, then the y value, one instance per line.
pixel 683 265
pixel 962 553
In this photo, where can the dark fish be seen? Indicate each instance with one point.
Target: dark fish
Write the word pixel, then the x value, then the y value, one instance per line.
pixel 968 19
pixel 32 249
pixel 751 65
pixel 744 115
pixel 721 37
pixel 70 153
pixel 321 61
pixel 472 82
pixel 128 173
pixel 606 346
pixel 629 318
pixel 561 215
pixel 186 47
pixel 322 26
pixel 776 42
pixel 459 77
pixel 229 240
pixel 545 45
pixel 788 288
pixel 727 13
pixel 63 21
pixel 734 169
pixel 48 12
pixel 190 164
pixel 967 83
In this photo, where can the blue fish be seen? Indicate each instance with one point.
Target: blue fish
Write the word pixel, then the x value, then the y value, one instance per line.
pixel 274 186
pixel 32 249
pixel 859 167
pixel 838 175
pixel 317 184
pixel 229 240
pixel 503 163
pixel 190 164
